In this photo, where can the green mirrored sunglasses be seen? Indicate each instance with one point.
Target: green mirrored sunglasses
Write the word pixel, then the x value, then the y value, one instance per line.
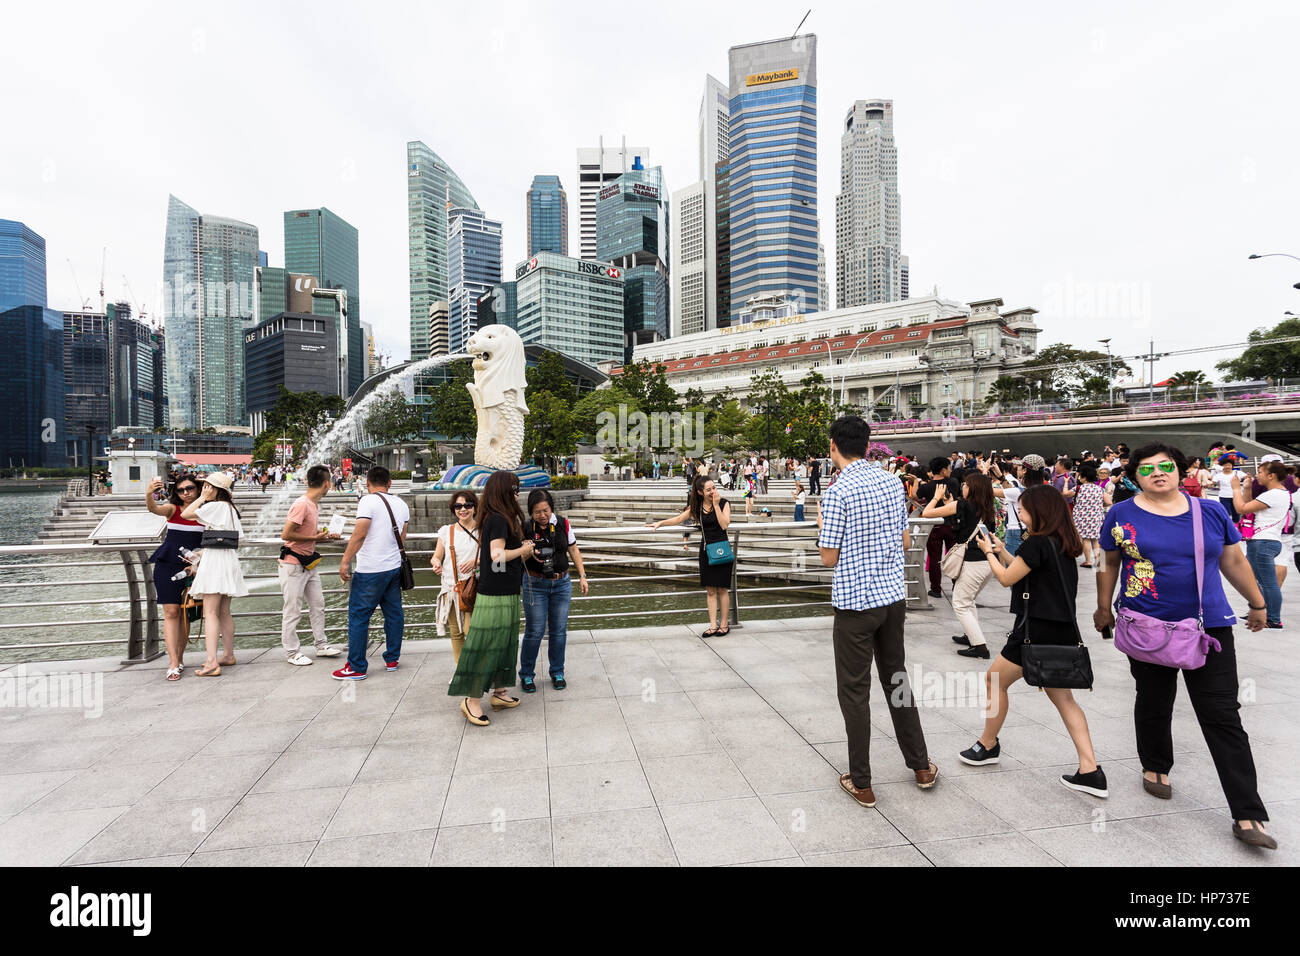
pixel 1168 467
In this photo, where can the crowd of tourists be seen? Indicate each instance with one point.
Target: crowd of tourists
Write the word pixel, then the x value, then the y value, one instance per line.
pixel 1160 532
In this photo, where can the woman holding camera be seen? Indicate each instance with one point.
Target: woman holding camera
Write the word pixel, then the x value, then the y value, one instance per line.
pixel 487 661
pixel 973 510
pixel 218 578
pixel 548 589
pixel 709 510
pixel 1045 565
pixel 455 559
pixel 182 533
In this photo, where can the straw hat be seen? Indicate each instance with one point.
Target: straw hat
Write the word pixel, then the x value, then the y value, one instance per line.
pixel 218 478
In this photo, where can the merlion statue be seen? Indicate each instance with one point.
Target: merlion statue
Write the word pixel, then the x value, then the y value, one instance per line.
pixel 498 393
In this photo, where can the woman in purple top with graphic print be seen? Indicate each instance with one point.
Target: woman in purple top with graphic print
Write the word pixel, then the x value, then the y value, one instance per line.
pixel 1148 554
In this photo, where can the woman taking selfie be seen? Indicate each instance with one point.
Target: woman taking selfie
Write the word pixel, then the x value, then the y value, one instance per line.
pixel 455 559
pixel 971 511
pixel 1043 567
pixel 1271 508
pixel 218 578
pixel 487 661
pixel 710 512
pixel 1151 546
pixel 168 562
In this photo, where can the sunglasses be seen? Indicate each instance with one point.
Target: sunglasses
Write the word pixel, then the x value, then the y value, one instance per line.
pixel 1168 467
pixel 186 488
pixel 463 506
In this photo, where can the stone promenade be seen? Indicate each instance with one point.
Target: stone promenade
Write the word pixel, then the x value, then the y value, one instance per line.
pixel 666 749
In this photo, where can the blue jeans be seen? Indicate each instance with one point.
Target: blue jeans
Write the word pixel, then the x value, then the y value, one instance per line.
pixel 382 589
pixel 545 602
pixel 1013 540
pixel 798 512
pixel 1260 554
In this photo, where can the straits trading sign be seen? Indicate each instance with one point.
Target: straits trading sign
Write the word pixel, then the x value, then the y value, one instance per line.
pixel 776 76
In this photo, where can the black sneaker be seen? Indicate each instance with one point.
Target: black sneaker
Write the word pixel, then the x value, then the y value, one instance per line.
pixel 980 650
pixel 528 685
pixel 934 592
pixel 559 683
pixel 1274 625
pixel 1093 783
pixel 961 639
pixel 978 755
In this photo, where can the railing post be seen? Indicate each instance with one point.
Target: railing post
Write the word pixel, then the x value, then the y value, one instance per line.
pixel 914 556
pixel 142 641
pixel 733 619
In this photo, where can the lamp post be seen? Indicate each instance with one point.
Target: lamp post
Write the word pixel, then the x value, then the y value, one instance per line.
pixel 1110 375
pixel 1270 255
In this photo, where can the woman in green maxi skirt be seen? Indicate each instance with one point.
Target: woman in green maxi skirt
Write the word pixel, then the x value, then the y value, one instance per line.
pixel 487 661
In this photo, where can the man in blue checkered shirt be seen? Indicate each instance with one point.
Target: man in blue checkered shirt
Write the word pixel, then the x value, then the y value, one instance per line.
pixel 863 522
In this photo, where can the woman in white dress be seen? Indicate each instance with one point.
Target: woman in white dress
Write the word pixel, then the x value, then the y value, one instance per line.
pixel 218 577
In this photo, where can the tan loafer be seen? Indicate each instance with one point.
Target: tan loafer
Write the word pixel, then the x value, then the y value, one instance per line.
pixel 864 796
pixel 925 779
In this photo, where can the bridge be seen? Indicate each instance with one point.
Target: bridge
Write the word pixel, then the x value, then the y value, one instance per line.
pixel 1256 427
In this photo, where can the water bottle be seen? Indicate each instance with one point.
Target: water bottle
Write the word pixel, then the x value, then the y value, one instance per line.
pixel 180 574
pixel 188 555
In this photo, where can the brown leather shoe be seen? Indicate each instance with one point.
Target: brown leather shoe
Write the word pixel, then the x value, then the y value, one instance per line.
pixel 1255 836
pixel 1157 789
pixel 925 778
pixel 864 796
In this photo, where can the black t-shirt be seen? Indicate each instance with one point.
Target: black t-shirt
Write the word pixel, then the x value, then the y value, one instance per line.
pixel 1121 492
pixel 1046 599
pixel 555 536
pixel 925 492
pixel 964 523
pixel 510 580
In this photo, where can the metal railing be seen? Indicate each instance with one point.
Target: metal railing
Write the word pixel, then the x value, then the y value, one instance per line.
pixel 771 557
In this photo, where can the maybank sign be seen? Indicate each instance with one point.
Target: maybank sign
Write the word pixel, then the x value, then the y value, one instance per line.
pixel 776 76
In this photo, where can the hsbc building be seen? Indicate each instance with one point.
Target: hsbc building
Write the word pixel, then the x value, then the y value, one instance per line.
pixel 574 306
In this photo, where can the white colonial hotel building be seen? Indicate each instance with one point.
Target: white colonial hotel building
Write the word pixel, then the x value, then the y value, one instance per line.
pixel 918 355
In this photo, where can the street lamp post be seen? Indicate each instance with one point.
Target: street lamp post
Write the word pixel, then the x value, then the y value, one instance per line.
pixel 1110 375
pixel 1269 255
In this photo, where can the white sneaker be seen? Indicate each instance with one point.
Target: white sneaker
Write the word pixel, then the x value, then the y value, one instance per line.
pixel 327 651
pixel 301 659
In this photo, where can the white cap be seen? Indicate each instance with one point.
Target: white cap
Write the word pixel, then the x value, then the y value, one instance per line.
pixel 1271 458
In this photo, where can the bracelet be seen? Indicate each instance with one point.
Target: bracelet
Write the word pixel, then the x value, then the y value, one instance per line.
pixel 1253 608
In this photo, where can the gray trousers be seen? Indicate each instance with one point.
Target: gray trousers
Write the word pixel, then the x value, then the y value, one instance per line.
pixel 859 636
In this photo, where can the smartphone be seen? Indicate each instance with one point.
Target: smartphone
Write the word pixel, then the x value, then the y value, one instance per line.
pixel 1107 633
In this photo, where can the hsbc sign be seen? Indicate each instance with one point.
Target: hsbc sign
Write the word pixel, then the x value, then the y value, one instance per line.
pixel 600 269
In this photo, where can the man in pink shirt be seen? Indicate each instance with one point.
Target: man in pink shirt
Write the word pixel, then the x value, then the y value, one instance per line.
pixel 299 571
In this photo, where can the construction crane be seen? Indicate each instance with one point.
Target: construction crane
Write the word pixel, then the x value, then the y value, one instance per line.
pixel 135 303
pixel 103 263
pixel 85 303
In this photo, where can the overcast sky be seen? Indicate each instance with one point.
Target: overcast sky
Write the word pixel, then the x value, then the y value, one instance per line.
pixel 1111 164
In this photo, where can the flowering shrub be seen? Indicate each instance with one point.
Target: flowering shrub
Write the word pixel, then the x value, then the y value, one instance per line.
pixel 877 450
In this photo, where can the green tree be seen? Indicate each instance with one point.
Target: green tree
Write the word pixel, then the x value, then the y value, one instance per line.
pixel 550 430
pixel 1058 372
pixel 295 416
pixel 1191 384
pixel 1006 391
pixel 587 412
pixel 1267 359
pixel 391 419
pixel 451 409
pixel 648 384
pixel 548 376
pixel 810 416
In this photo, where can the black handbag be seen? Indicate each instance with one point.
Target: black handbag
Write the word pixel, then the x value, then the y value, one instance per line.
pixel 1064 666
pixel 408 573
pixel 222 540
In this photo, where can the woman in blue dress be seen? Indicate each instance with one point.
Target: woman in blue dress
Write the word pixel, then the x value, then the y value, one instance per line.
pixel 168 561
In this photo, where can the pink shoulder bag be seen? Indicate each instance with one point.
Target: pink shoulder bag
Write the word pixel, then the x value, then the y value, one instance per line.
pixel 1181 644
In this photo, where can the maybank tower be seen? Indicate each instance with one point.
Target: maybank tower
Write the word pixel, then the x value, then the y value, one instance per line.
pixel 773 172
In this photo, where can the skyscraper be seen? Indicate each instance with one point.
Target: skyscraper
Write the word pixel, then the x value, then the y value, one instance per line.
pixel 596 167
pixel 715 152
pixel 773 171
pixel 22 266
pixel 548 216
pixel 430 186
pixel 691 305
pixel 868 263
pixel 209 285
pixel 319 243
pixel 632 233
pixel 473 267
pixel 573 306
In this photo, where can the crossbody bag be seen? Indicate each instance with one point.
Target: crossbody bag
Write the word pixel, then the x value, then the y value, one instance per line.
pixel 1066 666
pixel 221 540
pixel 467 590
pixel 408 573
pixel 956 556
pixel 1181 644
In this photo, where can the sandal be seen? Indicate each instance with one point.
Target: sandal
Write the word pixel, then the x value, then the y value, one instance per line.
pixel 230 663
pixel 723 632
pixel 710 632
pixel 204 672
pixel 173 673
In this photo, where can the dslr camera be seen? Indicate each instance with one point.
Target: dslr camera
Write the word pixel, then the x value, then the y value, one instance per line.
pixel 543 550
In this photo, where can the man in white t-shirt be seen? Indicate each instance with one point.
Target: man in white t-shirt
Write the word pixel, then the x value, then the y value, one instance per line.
pixel 381 520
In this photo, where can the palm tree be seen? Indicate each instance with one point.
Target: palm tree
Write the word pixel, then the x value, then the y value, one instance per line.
pixel 1189 384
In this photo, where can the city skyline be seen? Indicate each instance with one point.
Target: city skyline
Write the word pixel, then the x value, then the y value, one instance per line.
pixel 1026 188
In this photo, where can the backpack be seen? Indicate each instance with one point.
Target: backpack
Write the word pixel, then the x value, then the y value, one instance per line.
pixel 1192 485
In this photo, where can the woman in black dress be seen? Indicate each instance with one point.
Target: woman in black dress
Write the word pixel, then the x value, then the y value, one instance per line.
pixel 710 512
pixel 168 561
pixel 1044 568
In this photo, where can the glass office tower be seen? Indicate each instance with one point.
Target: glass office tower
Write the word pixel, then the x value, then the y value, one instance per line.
pixel 632 233
pixel 772 178
pixel 209 285
pixel 319 243
pixel 473 267
pixel 431 188
pixel 22 266
pixel 548 216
